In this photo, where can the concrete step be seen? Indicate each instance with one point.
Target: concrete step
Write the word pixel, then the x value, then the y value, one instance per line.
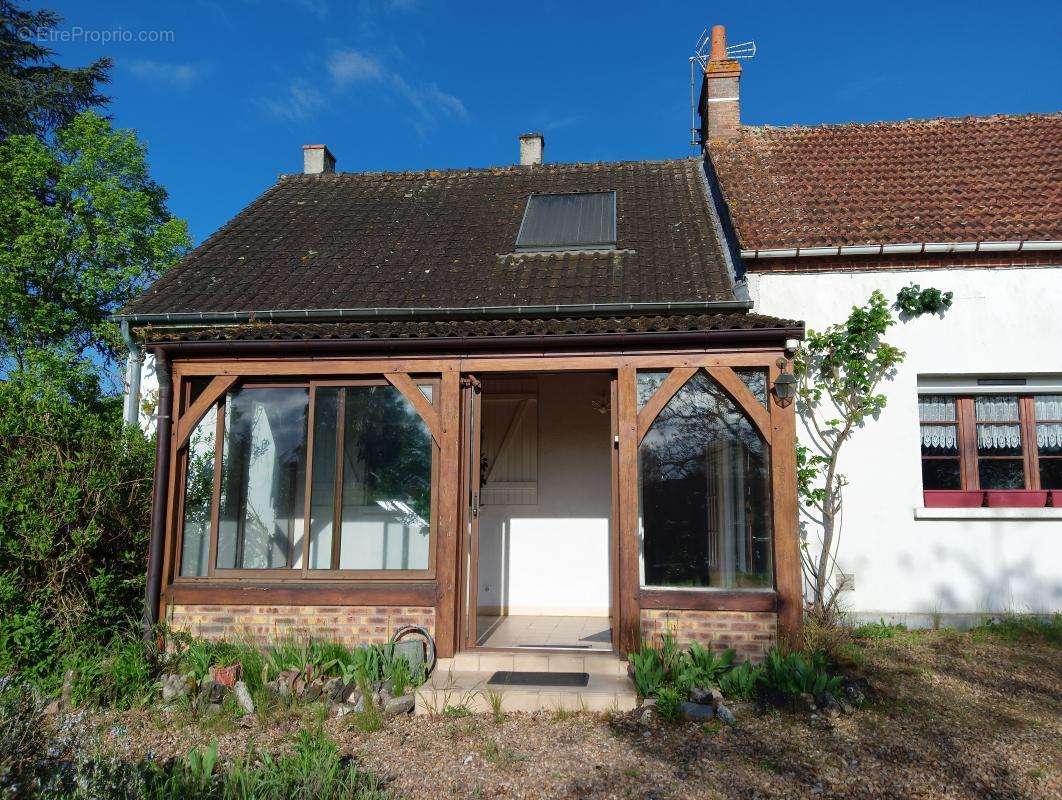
pixel 449 688
pixel 490 662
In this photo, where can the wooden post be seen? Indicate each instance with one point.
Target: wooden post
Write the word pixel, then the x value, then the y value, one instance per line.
pixel 629 555
pixel 446 538
pixel 788 577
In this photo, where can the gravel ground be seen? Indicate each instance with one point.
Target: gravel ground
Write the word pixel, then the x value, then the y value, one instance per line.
pixel 955 717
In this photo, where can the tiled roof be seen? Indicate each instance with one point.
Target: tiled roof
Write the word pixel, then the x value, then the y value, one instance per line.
pixel 474 328
pixel 446 240
pixel 943 180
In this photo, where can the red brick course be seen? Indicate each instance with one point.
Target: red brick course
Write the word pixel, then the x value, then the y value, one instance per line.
pixel 750 633
pixel 348 624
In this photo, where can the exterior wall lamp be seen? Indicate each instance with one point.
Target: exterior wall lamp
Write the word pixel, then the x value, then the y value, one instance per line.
pixel 785 385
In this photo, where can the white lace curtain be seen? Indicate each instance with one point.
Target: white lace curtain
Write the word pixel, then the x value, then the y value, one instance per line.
pixel 989 408
pixel 938 408
pixel 1049 434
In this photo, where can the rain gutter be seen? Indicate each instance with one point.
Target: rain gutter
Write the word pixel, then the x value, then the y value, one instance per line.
pixel 915 248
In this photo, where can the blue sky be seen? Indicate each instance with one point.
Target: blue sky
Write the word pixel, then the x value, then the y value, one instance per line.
pixel 227 102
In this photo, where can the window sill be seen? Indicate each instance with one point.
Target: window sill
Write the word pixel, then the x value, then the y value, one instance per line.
pixel 708 599
pixel 1029 514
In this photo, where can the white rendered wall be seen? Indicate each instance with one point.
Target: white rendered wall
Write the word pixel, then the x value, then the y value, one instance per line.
pixel 552 558
pixel 1003 321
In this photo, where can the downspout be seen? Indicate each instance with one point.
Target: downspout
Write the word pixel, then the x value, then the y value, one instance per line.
pixel 133 366
pixel 153 591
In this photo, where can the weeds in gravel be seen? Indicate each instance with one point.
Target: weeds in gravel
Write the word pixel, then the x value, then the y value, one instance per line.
pixel 500 755
pixel 495 700
pixel 457 712
pixel 878 630
pixel 1023 627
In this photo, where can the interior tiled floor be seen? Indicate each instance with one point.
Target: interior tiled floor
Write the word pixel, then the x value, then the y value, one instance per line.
pixel 584 633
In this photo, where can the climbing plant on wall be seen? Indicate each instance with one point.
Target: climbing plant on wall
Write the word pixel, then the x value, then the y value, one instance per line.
pixel 840 372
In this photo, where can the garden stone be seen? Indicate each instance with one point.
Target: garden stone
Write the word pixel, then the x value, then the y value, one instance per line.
pixel 399 705
pixel 313 690
pixel 856 690
pixel 806 703
pixel 359 706
pixel 829 705
pixel 340 710
pixel 243 697
pixel 385 696
pixel 724 714
pixel 709 696
pixel 354 695
pixel 175 686
pixel 335 690
pixel 648 702
pixel 211 693
pixel 696 712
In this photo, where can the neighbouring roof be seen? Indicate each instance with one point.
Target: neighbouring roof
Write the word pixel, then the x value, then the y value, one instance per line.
pixel 449 329
pixel 966 179
pixel 446 239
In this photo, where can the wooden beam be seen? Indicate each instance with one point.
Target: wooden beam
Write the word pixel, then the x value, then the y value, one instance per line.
pixel 788 575
pixel 301 593
pixel 708 600
pixel 510 434
pixel 629 550
pixel 446 537
pixel 415 396
pixel 197 410
pixel 746 400
pixel 311 367
pixel 675 380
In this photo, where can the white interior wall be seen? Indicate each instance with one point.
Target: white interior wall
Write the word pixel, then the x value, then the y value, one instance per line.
pixel 1003 321
pixel 552 557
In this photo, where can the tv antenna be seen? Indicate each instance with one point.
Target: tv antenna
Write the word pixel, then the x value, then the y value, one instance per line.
pixel 702 54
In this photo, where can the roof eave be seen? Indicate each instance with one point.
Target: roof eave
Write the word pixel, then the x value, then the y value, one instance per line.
pixel 905 248
pixel 337 314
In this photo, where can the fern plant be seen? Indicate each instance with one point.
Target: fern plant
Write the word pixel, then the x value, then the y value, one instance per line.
pixel 668 703
pixel 740 682
pixel 649 672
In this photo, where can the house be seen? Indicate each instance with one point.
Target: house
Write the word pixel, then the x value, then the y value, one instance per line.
pixel 954 508
pixel 519 406
pixel 538 406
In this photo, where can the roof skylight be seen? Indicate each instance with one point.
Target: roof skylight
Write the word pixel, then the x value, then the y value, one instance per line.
pixel 578 221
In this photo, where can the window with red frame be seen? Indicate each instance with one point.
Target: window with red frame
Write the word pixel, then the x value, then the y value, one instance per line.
pixel 991 442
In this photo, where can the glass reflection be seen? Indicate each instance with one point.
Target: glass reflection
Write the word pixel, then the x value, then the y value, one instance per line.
pixel 704 497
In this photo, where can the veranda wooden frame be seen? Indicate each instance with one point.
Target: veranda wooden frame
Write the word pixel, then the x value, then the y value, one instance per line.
pixel 451 514
pixel 216 391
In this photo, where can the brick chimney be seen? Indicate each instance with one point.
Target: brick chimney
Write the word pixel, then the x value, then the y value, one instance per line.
pixel 532 146
pixel 720 103
pixel 317 159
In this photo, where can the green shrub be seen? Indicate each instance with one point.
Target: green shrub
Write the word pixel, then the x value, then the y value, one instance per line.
pixel 117 674
pixel 668 704
pixel 75 488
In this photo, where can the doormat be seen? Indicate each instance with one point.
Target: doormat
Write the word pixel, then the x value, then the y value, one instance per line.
pixel 557 646
pixel 504 678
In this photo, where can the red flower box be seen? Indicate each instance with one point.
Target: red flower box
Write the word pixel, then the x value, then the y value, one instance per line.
pixel 953 498
pixel 1017 498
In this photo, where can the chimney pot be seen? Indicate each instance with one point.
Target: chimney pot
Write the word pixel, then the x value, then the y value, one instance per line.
pixel 718 52
pixel 317 159
pixel 532 146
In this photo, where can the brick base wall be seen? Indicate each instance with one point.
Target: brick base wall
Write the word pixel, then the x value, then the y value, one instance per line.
pixel 750 633
pixel 350 625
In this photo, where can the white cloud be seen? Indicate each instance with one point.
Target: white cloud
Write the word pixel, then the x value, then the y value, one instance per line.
pixel 179 75
pixel 298 101
pixel 350 66
pixel 427 100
